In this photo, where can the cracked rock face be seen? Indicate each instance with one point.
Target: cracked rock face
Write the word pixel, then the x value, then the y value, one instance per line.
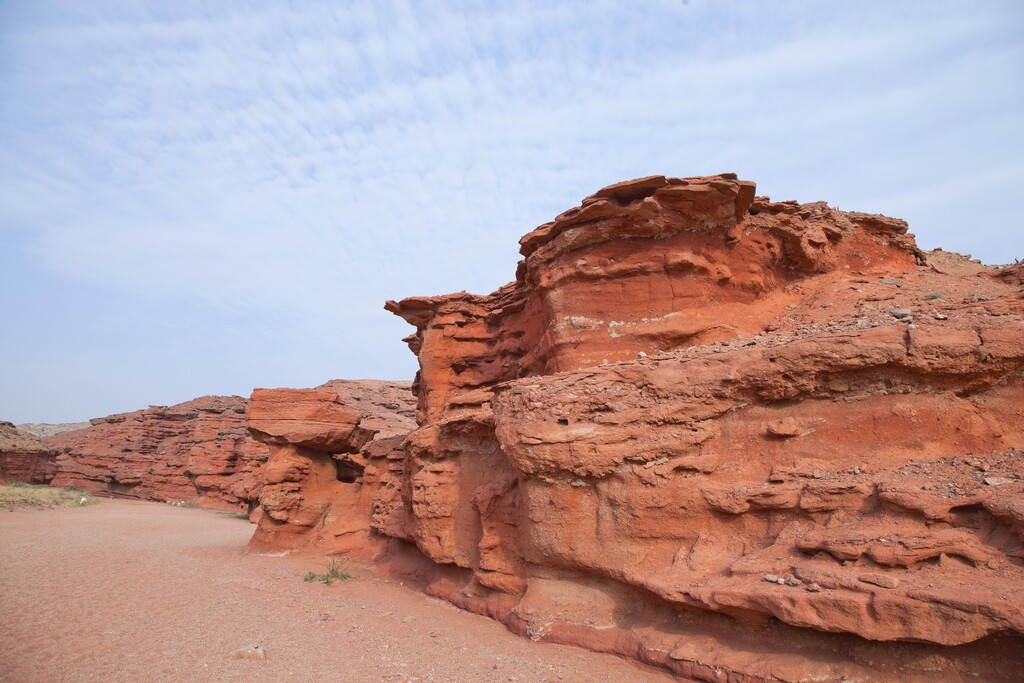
pixel 689 388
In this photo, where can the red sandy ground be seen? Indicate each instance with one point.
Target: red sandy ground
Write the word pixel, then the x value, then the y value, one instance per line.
pixel 135 591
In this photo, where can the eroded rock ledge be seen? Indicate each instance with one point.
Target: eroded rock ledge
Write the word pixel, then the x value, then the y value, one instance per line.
pixel 329 448
pixel 740 439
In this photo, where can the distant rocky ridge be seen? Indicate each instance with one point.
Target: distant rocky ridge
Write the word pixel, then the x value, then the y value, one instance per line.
pixel 45 429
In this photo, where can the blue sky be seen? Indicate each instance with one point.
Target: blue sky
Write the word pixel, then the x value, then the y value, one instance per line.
pixel 206 197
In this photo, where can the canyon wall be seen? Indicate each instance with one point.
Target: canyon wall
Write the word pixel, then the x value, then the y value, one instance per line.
pixel 198 452
pixel 740 439
pixel 24 457
pixel 201 452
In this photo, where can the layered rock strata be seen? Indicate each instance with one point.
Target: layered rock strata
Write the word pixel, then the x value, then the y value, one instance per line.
pixel 743 440
pixel 24 457
pixel 329 448
pixel 198 452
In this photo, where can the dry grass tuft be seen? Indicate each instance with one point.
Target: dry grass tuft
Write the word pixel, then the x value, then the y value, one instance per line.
pixel 18 496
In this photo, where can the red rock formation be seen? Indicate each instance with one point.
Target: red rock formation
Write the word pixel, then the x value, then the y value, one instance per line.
pixel 328 450
pixel 25 457
pixel 738 439
pixel 198 452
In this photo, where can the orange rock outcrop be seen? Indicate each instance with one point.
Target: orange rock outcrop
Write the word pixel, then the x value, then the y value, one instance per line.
pixel 198 452
pixel 328 449
pixel 24 457
pixel 740 439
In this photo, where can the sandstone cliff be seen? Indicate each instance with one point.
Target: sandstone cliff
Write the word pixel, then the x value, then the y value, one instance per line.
pixel 736 438
pixel 25 457
pixel 198 452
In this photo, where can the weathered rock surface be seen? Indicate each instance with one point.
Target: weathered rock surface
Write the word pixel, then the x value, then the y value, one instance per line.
pixel 198 452
pixel 328 449
pixel 689 388
pixel 25 457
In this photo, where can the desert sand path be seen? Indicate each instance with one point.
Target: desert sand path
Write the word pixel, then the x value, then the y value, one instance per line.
pixel 132 591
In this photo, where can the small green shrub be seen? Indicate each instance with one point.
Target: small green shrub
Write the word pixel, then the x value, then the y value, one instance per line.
pixel 335 572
